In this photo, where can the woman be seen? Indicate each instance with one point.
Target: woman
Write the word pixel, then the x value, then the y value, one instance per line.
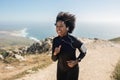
pixel 64 48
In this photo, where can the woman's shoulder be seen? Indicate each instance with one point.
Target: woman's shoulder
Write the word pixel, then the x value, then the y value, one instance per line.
pixel 55 38
pixel 74 38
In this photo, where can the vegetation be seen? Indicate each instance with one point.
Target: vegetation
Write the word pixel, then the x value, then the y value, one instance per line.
pixel 10 41
pixel 116 72
pixel 13 68
pixel 10 60
pixel 32 64
pixel 116 40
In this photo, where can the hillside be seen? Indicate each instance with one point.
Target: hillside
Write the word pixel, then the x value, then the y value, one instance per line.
pixel 102 57
pixel 11 41
pixel 20 56
pixel 116 39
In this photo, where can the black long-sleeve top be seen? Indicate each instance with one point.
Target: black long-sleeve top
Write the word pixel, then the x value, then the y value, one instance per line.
pixel 68 50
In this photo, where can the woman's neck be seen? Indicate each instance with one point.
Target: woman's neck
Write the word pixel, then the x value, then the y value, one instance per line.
pixel 64 35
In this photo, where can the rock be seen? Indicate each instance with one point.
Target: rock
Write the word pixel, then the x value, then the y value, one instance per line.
pixel 39 47
pixel 16 51
pixel 19 57
pixel 42 46
pixel 30 71
pixel 46 47
pixel 1 57
pixel 96 39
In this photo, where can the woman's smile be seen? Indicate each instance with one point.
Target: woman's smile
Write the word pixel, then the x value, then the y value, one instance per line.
pixel 61 29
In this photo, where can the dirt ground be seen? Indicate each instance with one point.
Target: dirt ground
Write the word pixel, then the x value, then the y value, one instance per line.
pixel 98 64
pixel 10 70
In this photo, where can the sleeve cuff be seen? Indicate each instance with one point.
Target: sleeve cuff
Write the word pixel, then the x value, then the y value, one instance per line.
pixel 79 59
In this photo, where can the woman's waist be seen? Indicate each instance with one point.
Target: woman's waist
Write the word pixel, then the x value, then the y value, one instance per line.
pixel 65 57
pixel 64 66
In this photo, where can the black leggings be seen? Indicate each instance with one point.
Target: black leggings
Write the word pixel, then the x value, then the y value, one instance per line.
pixel 71 74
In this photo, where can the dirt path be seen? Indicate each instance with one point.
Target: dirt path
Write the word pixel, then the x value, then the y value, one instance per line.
pixel 97 65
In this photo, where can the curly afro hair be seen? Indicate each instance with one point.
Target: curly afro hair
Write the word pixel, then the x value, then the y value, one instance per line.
pixel 69 20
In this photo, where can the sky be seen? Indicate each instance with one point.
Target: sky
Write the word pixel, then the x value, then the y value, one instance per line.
pixel 35 11
pixel 94 17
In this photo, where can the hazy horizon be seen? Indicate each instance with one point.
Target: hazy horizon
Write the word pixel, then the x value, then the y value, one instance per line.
pixel 48 30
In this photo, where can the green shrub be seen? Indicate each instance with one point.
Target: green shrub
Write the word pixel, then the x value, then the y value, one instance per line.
pixel 116 72
pixel 5 54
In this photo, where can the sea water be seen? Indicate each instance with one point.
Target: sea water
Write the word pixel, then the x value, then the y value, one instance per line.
pixel 42 31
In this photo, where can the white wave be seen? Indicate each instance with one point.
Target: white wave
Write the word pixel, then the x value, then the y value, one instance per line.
pixel 21 33
pixel 33 38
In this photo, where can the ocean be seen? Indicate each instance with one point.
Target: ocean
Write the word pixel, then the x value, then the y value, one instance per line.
pixel 42 31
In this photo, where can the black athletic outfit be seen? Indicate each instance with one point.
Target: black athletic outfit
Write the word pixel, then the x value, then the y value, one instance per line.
pixel 67 52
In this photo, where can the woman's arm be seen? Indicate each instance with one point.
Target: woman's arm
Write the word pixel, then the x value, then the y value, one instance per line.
pixel 77 44
pixel 83 51
pixel 55 51
pixel 81 47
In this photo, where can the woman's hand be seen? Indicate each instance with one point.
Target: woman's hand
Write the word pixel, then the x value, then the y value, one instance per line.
pixel 57 50
pixel 72 63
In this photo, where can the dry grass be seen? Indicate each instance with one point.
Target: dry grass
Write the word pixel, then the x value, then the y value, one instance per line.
pixel 116 72
pixel 116 40
pixel 19 69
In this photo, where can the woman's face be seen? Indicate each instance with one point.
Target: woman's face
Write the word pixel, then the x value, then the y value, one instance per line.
pixel 61 28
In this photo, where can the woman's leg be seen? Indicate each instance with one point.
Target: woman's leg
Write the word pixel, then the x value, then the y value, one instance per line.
pixel 73 74
pixel 61 75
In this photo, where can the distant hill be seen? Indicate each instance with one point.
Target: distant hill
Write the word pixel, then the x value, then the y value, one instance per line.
pixel 116 39
pixel 11 41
